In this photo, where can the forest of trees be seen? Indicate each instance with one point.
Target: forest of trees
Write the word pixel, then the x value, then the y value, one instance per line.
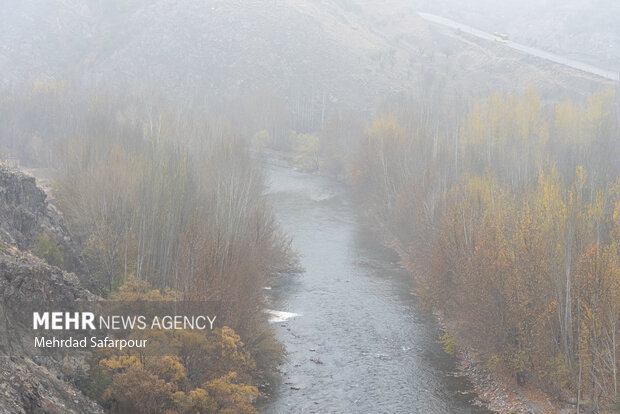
pixel 506 209
pixel 164 204
pixel 509 215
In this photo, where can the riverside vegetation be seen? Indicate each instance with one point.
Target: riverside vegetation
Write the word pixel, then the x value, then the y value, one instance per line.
pixel 163 207
pixel 507 208
pixel 509 212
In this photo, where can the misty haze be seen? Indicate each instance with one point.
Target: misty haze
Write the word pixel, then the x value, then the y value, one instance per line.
pixel 392 206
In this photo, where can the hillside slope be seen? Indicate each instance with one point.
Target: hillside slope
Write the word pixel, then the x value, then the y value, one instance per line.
pixel 319 54
pixel 30 381
pixel 33 381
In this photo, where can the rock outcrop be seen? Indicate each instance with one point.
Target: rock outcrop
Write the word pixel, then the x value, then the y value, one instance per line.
pixel 25 214
pixel 32 381
pixel 35 380
pixel 28 388
pixel 29 284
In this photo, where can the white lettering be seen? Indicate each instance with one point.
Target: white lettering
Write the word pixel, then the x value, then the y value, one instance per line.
pixel 38 320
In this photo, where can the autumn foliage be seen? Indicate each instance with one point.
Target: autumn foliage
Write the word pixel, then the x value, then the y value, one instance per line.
pixel 164 204
pixel 510 216
pixel 184 371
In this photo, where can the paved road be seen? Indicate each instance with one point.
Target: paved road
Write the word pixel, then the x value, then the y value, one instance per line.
pixel 607 74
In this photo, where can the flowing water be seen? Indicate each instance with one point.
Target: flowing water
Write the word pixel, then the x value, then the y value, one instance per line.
pixel 356 341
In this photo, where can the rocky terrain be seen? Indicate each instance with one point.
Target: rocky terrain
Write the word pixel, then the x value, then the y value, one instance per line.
pixel 25 214
pixel 32 381
pixel 29 388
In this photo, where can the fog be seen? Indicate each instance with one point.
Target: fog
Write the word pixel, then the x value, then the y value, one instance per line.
pixel 398 206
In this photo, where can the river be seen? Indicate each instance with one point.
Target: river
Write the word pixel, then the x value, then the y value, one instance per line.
pixel 355 339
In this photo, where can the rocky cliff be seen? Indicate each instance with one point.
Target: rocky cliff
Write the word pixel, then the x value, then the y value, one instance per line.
pixel 28 388
pixel 25 214
pixel 32 381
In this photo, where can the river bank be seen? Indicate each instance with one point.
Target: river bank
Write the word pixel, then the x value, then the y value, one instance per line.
pixel 499 392
pixel 495 389
pixel 356 339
